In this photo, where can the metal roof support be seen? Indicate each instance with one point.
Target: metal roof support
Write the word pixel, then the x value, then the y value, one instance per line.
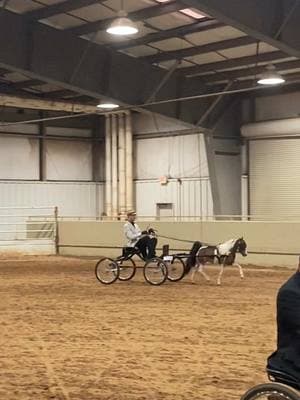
pixel 213 105
pixel 163 81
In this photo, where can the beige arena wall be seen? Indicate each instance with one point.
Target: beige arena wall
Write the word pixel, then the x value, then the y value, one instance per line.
pixel 269 243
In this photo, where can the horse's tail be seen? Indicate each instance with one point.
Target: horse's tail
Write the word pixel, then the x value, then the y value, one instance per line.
pixel 191 260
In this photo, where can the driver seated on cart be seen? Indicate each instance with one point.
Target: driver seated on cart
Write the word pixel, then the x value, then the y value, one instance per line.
pixel 286 358
pixel 144 241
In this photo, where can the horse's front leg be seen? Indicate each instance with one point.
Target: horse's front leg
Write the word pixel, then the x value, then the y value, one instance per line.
pixel 240 270
pixel 220 274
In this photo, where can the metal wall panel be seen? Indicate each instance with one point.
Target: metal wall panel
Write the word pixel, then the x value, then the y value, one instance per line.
pixel 190 197
pixel 72 199
pixel 176 156
pixel 275 177
pixel 19 158
pixel 70 160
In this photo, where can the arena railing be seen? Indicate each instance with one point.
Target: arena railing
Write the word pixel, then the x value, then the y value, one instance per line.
pixel 28 226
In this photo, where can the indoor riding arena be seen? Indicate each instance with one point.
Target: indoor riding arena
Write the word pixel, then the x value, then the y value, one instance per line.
pixel 149 199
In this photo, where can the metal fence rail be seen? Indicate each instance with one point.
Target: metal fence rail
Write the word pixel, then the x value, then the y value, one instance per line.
pixel 28 226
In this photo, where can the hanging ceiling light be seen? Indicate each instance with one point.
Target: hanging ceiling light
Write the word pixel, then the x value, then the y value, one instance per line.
pixel 122 25
pixel 271 76
pixel 108 106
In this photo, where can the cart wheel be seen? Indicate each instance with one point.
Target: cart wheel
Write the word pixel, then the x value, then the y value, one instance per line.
pixel 127 270
pixel 176 269
pixel 107 271
pixel 155 271
pixel 271 391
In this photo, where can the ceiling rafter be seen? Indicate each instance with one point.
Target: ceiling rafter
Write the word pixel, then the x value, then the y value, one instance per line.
pixel 59 8
pixel 256 21
pixel 181 31
pixel 242 73
pixel 145 13
pixel 233 63
pixel 207 48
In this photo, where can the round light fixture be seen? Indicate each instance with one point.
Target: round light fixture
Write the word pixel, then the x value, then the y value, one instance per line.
pixel 271 77
pixel 108 106
pixel 122 25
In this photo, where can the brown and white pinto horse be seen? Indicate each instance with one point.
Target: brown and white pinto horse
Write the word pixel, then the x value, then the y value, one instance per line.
pixel 224 253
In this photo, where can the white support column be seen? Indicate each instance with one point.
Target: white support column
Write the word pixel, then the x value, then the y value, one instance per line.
pixel 122 166
pixel 114 159
pixel 108 205
pixel 129 162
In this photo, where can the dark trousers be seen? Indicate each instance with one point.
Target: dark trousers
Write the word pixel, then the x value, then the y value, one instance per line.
pixel 147 246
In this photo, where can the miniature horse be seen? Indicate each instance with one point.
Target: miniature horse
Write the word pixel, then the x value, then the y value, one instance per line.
pixel 225 254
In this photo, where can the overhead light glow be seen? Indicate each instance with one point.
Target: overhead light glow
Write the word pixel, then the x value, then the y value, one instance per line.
pixel 108 106
pixel 122 25
pixel 271 77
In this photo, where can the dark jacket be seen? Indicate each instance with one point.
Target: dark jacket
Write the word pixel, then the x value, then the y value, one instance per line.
pixel 287 356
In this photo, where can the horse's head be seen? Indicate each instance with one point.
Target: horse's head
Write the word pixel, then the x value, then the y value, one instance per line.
pixel 241 246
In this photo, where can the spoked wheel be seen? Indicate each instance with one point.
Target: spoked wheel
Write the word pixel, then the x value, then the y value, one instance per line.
pixel 176 269
pixel 155 271
pixel 127 270
pixel 271 391
pixel 107 271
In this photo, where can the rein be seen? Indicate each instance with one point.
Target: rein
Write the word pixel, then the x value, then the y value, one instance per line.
pixel 182 240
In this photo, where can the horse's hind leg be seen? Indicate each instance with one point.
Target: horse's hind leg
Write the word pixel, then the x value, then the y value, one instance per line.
pixel 201 270
pixel 240 270
pixel 194 269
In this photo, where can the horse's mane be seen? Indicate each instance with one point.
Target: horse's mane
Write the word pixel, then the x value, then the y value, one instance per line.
pixel 228 241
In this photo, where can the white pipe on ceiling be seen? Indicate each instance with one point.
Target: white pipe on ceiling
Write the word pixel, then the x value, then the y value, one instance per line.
pixel 114 160
pixel 108 165
pixel 121 166
pixel 129 161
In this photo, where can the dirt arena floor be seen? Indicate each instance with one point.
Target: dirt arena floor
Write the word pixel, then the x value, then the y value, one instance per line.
pixel 66 336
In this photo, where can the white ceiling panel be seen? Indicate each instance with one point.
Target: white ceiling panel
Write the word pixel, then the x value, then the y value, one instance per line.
pixel 129 5
pixel 140 51
pixel 249 50
pixel 62 21
pixel 169 21
pixel 94 12
pixel 21 6
pixel 171 44
pixel 206 58
pixel 169 64
pixel 214 35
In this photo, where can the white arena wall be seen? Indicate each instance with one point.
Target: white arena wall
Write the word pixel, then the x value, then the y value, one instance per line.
pixel 74 170
pixel 269 243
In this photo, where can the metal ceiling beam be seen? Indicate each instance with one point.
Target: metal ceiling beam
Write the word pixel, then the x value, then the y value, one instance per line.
pixel 60 8
pixel 145 13
pixel 213 106
pixel 193 51
pixel 57 94
pixel 242 73
pixel 256 18
pixel 54 53
pixel 180 31
pixel 27 84
pixel 233 63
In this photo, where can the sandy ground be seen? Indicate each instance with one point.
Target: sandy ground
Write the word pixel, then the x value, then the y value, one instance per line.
pixel 66 336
